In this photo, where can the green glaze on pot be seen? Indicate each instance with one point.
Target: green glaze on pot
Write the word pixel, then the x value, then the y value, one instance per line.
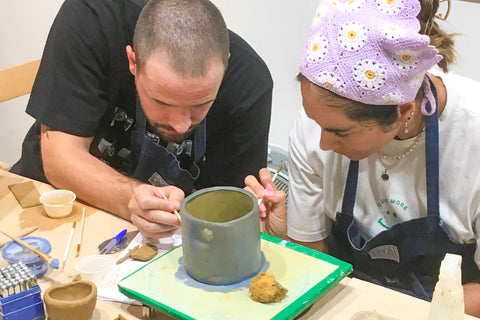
pixel 221 235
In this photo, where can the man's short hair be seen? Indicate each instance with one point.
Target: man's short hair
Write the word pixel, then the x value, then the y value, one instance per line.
pixel 190 33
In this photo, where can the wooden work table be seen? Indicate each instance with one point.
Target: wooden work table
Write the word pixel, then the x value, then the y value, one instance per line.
pixel 340 303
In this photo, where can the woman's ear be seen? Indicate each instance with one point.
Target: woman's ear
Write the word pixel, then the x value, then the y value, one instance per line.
pixel 406 111
pixel 132 66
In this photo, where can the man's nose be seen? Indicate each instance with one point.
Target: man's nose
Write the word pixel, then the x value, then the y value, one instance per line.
pixel 180 120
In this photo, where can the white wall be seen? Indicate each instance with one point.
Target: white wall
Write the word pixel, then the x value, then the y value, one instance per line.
pixel 23 32
pixel 277 29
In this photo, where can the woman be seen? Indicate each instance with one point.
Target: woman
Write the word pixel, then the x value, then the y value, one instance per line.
pixel 395 183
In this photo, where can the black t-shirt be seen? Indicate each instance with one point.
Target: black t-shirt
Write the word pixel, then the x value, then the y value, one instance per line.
pixel 84 88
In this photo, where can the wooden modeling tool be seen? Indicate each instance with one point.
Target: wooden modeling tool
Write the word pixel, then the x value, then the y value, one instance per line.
pixel 130 252
pixel 52 262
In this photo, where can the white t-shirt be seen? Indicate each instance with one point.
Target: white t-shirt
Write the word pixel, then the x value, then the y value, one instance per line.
pixel 317 178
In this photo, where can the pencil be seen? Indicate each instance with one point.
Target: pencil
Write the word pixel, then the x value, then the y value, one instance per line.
pixel 81 233
pixel 67 249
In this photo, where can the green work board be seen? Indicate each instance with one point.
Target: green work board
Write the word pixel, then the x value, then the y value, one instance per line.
pixel 165 285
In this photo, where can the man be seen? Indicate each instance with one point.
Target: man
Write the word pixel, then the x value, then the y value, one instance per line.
pixel 188 105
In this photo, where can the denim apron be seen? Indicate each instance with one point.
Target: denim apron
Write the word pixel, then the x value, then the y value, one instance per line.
pixel 407 256
pixel 150 159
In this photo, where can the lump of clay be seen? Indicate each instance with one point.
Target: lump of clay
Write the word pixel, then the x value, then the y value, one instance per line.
pixel 265 289
pixel 145 252
pixel 73 301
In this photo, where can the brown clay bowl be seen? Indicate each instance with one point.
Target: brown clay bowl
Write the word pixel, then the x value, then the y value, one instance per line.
pixel 73 301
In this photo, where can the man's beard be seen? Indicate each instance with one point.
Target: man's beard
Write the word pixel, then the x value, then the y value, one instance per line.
pixel 168 137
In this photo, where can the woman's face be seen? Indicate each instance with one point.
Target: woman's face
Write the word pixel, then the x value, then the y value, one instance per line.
pixel 340 134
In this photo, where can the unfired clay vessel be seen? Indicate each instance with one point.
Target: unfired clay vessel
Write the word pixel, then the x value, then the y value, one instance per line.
pixel 221 235
pixel 73 301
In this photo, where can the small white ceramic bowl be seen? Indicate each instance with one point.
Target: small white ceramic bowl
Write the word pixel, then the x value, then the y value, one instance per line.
pixel 100 269
pixel 58 203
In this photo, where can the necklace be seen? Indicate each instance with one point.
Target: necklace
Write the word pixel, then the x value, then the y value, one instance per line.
pixel 383 157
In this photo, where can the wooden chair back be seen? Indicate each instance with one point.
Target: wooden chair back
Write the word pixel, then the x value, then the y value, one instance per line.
pixel 18 80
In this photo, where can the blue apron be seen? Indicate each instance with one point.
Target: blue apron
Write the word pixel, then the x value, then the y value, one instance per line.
pixel 407 256
pixel 150 158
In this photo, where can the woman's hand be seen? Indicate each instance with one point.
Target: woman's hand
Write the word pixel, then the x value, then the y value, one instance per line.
pixel 273 215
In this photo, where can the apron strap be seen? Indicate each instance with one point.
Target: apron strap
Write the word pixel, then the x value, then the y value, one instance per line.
pixel 350 188
pixel 432 158
pixel 140 119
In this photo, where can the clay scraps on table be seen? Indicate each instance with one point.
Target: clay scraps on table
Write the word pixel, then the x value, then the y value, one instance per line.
pixel 144 253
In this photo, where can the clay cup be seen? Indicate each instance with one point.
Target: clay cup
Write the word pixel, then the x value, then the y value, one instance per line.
pixel 73 301
pixel 221 235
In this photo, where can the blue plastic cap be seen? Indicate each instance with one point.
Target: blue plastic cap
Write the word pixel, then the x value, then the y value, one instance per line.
pixel 119 236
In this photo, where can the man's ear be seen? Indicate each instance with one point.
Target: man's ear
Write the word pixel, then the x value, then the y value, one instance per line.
pixel 132 66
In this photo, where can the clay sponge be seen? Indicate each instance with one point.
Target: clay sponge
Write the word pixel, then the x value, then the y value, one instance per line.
pixel 265 289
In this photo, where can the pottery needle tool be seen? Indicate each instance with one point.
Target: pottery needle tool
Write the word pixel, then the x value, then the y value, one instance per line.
pixel 174 211
pixel 67 249
pixel 273 180
pixel 52 262
pixel 157 181
pixel 81 232
pixel 22 233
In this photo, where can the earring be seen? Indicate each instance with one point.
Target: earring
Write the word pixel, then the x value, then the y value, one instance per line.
pixel 405 130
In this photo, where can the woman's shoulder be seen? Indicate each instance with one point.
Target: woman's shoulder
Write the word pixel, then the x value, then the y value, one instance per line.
pixel 462 94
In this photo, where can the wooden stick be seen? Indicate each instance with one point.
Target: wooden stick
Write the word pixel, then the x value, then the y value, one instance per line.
pixel 164 197
pixel 67 249
pixel 128 255
pixel 81 233
pixel 22 233
pixel 52 262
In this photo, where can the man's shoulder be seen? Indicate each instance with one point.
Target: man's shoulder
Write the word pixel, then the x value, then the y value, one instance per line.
pixel 247 76
pixel 121 11
pixel 242 52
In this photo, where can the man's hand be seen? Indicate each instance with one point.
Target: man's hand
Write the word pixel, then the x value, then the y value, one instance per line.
pixel 273 216
pixel 152 214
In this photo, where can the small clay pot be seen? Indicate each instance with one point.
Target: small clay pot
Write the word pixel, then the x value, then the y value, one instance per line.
pixel 73 301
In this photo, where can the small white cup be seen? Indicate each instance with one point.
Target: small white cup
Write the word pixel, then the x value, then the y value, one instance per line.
pixel 100 269
pixel 58 203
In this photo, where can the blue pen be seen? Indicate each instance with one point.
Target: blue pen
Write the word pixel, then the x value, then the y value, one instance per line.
pixel 113 242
